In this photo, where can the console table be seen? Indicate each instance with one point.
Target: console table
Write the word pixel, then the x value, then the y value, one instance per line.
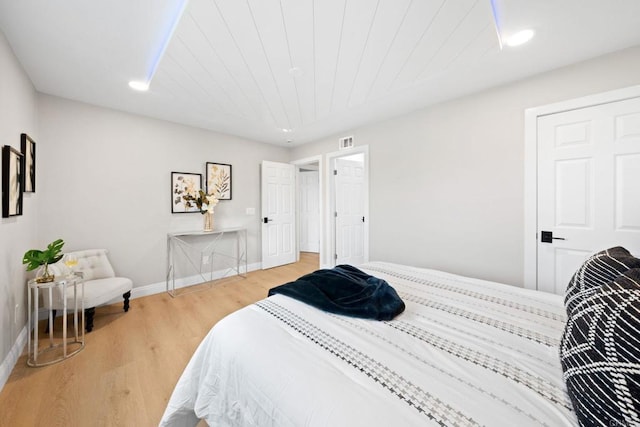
pixel 55 291
pixel 183 243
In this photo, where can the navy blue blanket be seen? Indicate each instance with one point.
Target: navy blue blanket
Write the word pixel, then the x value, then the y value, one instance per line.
pixel 345 290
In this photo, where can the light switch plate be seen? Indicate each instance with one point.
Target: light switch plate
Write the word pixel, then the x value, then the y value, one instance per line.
pixel 251 211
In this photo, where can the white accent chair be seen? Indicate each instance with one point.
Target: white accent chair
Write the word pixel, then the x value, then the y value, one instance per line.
pixel 101 285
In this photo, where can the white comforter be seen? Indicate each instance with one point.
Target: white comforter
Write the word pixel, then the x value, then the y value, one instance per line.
pixel 465 352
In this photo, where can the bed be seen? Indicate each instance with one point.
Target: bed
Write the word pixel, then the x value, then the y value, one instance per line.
pixel 464 352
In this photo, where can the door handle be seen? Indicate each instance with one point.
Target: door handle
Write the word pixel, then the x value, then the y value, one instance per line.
pixel 266 220
pixel 547 237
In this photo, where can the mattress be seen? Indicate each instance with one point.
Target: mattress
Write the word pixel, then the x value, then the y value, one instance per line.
pixel 465 352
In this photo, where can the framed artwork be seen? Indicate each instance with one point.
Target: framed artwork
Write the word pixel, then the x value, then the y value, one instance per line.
pixel 11 182
pixel 219 180
pixel 182 184
pixel 28 147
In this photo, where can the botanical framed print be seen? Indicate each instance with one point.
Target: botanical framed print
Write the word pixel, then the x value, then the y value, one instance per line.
pixel 11 182
pixel 183 184
pixel 219 180
pixel 28 147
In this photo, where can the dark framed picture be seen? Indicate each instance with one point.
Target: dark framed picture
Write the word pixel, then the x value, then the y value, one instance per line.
pixel 11 182
pixel 184 184
pixel 28 147
pixel 219 180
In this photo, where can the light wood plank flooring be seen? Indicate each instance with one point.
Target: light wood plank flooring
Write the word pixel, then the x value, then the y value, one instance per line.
pixel 132 361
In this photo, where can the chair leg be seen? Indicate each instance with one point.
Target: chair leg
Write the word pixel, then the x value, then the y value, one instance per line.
pixel 126 301
pixel 88 318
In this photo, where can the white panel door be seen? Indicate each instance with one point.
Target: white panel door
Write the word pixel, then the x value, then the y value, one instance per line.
pixel 278 214
pixel 309 211
pixel 349 214
pixel 588 187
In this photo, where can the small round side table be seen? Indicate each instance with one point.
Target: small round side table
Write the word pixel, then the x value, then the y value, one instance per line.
pixel 54 296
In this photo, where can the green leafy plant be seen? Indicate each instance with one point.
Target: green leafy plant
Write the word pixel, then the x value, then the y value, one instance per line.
pixel 34 258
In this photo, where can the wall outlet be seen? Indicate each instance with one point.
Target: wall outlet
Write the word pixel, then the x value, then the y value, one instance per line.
pixel 15 314
pixel 251 211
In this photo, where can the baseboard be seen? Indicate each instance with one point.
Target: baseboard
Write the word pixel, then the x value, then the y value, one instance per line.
pixel 9 362
pixel 156 288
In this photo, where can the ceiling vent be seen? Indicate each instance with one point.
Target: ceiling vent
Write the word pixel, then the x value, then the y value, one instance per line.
pixel 346 142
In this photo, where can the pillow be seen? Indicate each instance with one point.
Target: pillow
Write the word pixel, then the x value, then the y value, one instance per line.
pixel 600 354
pixel 599 269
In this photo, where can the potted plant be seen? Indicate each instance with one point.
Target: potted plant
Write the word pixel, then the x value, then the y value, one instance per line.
pixel 35 258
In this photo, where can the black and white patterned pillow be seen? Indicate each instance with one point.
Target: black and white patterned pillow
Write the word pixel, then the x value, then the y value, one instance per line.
pixel 600 354
pixel 599 269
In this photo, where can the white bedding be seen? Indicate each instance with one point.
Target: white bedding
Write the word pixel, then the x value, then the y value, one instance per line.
pixel 464 352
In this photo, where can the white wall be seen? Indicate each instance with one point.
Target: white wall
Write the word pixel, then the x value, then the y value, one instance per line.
pixel 17 234
pixel 104 180
pixel 447 182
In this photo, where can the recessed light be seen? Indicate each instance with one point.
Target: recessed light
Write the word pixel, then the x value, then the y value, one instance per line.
pixel 286 130
pixel 138 85
pixel 521 37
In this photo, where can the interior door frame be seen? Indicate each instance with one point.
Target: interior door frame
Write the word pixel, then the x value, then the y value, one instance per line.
pixel 531 167
pixel 301 162
pixel 330 235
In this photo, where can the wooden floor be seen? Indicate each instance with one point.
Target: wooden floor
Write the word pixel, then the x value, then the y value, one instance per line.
pixel 131 362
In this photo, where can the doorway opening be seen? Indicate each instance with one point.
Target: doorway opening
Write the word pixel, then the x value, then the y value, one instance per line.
pixel 309 208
